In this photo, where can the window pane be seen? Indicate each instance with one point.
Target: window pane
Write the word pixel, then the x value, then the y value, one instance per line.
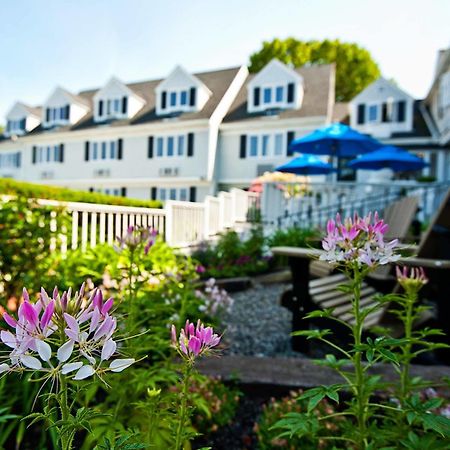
pixel 183 98
pixel 173 99
pixel 103 150
pixel 116 105
pixel 108 107
pixel 265 145
pixel 170 146
pixel 278 147
pixel 107 191
pixel 48 154
pixel 183 194
pixel 113 149
pixel 56 153
pixel 180 145
pixel 173 194
pixel 94 151
pixel 61 112
pixel 267 95
pixel 373 113
pixel 162 194
pixel 279 94
pixel 253 145
pixel 159 146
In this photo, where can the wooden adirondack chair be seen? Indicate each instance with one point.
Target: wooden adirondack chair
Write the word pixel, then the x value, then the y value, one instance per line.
pixel 399 215
pixel 307 295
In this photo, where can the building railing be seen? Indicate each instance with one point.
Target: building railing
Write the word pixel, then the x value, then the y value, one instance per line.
pixel 180 223
pixel 311 205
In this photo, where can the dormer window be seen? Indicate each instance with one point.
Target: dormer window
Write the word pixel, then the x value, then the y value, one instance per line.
pixel 59 115
pixel 16 126
pixel 275 87
pixel 116 101
pixel 180 92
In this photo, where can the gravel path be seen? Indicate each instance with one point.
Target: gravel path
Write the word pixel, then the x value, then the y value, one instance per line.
pixel 257 324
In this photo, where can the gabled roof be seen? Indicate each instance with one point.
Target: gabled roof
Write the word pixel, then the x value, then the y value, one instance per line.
pixel 29 110
pixel 71 97
pixel 277 65
pixel 443 64
pixel 180 71
pixel 318 85
pixel 379 84
pixel 217 81
pixel 113 81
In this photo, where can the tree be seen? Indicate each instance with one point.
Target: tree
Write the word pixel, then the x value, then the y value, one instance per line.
pixel 355 68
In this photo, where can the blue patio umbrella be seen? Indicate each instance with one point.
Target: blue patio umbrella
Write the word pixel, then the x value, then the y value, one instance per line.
pixel 306 165
pixel 336 139
pixel 389 157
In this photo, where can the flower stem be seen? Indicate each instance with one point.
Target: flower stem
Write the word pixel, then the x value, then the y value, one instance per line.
pixel 406 348
pixel 182 412
pixel 66 436
pixel 359 388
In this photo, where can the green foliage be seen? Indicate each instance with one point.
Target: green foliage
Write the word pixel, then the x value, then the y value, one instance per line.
pixel 295 428
pixel 25 235
pixel 294 237
pixel 30 190
pixel 355 68
pixel 232 257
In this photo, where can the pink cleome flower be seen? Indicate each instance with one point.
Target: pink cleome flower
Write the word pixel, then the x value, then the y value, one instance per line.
pixel 359 240
pixel 194 341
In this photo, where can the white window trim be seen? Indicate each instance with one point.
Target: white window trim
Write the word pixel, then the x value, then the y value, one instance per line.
pixel 98 146
pixel 165 146
pixel 273 104
pixel 167 190
pixel 271 147
pixel 42 151
pixel 113 115
pixel 178 107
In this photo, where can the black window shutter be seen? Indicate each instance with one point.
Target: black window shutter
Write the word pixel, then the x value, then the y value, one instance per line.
pixel 61 153
pixel 256 92
pixel 192 194
pixel 163 99
pixel 120 150
pixel 193 96
pixel 290 138
pixel 190 144
pixel 384 113
pixel 243 146
pixel 100 108
pixel 290 92
pixel 153 192
pixel 401 111
pixel 361 113
pixel 123 191
pixel 124 105
pixel 67 112
pixel 23 124
pixel 86 151
pixel 150 147
pixel 34 155
pixel 47 115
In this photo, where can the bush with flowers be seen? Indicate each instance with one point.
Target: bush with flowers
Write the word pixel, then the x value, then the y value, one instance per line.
pixel 356 246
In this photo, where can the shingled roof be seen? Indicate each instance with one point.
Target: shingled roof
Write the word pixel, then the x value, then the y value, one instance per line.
pixel 318 87
pixel 217 81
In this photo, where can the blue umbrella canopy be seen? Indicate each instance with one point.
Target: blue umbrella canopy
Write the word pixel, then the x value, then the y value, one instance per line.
pixel 336 139
pixel 306 165
pixel 389 157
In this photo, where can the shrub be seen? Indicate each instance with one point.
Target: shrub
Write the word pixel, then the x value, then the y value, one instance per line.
pixel 30 190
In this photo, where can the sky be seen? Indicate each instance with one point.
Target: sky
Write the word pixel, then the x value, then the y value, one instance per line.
pixel 81 44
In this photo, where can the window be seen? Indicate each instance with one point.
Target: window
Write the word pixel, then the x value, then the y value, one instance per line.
pixel 15 125
pixel 116 105
pixel 113 107
pixel 103 150
pixel 162 194
pixel 279 94
pixel 253 146
pixel 9 160
pixel 373 113
pixel 183 98
pixel 173 99
pixel 48 154
pixel 265 145
pixel 180 145
pixel 112 150
pixel 173 194
pixel 94 150
pixel 170 146
pixel 180 194
pixel 267 95
pixel 278 146
pixel 183 194
pixel 159 146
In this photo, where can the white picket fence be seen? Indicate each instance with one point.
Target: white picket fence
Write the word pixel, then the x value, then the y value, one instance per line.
pixel 181 223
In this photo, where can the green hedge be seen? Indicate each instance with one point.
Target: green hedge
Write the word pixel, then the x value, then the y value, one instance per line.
pixel 30 190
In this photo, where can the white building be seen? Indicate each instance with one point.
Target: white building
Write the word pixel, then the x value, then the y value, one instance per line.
pixel 389 114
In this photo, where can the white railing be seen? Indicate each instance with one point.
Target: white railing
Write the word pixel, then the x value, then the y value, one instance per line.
pixel 180 223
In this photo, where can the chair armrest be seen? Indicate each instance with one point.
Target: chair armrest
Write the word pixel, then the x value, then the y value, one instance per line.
pixel 425 262
pixel 297 252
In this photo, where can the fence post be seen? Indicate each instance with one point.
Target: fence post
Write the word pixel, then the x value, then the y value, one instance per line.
pixel 168 208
